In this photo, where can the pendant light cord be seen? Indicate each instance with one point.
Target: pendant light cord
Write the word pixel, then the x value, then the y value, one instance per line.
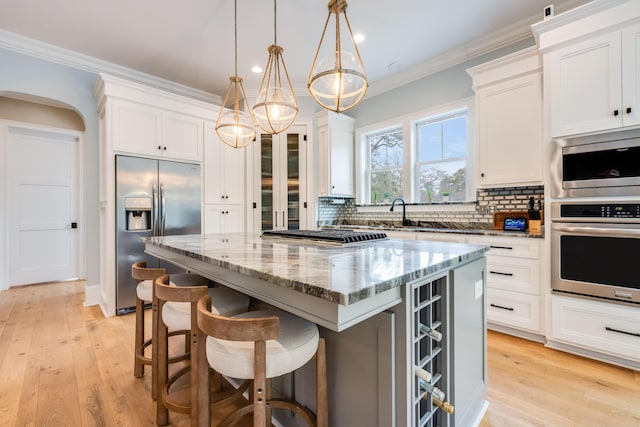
pixel 275 17
pixel 235 25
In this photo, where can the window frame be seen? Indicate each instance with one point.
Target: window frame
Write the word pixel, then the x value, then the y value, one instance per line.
pixel 409 123
pixel 367 149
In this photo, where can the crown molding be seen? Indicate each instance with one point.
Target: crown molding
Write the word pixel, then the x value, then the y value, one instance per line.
pixel 55 54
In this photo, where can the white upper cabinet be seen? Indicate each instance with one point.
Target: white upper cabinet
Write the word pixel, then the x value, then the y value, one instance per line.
pixel 146 122
pixel 592 68
pixel 224 170
pixel 335 154
pixel 224 184
pixel 509 120
pixel 149 131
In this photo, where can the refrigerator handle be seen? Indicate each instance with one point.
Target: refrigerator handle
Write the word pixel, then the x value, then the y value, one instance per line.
pixel 154 215
pixel 163 214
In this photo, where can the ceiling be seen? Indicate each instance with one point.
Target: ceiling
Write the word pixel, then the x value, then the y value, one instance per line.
pixel 191 42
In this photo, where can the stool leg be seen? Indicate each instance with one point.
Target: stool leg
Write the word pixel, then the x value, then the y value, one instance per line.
pixel 204 394
pixel 154 347
pixel 162 349
pixel 138 367
pixel 322 408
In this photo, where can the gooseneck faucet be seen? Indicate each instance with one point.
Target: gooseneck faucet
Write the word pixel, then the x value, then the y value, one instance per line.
pixel 405 221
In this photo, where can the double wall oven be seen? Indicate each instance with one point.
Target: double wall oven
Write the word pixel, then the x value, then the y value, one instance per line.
pixel 595 217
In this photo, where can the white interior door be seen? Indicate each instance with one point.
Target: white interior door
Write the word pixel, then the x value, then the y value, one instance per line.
pixel 42 188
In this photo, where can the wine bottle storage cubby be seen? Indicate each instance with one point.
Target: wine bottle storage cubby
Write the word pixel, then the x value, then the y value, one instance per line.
pixel 429 306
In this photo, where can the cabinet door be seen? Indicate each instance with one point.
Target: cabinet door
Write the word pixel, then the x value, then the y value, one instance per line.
pixel 224 170
pixel 631 76
pixel 182 137
pixel 510 132
pixel 341 162
pixel 223 218
pixel 282 181
pixel 136 129
pixel 585 83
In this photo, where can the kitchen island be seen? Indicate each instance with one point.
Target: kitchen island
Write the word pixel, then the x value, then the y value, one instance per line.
pixel 369 299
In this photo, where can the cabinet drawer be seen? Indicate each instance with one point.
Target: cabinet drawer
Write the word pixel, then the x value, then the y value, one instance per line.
pixel 509 246
pixel 604 327
pixel 513 274
pixel 513 309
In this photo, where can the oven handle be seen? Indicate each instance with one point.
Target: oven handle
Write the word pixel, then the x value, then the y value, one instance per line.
pixel 605 231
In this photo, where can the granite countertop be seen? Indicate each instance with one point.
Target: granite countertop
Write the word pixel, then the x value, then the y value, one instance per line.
pixel 342 275
pixel 481 229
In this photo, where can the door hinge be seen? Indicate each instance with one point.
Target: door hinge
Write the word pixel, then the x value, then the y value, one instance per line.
pixel 305 205
pixel 304 138
pixel 74 225
pixel 255 205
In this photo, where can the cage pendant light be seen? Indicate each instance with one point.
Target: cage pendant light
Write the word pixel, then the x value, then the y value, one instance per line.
pixel 276 107
pixel 338 81
pixel 235 126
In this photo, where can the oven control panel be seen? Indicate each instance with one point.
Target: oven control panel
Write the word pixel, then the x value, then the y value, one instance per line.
pixel 604 210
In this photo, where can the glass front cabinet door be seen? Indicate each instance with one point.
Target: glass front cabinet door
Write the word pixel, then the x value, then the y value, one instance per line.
pixel 280 197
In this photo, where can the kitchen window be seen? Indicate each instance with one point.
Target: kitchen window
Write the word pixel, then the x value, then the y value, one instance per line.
pixel 385 151
pixel 441 158
pixel 426 157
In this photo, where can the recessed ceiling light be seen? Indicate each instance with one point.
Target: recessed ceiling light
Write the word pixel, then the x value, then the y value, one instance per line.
pixel 358 38
pixel 256 69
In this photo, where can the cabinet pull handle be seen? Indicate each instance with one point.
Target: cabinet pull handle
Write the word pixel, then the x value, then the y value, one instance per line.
pixel 501 247
pixel 628 110
pixel 615 113
pixel 501 307
pixel 633 334
pixel 500 273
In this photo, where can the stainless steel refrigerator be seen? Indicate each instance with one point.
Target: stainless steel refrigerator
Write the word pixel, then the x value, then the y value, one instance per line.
pixel 153 198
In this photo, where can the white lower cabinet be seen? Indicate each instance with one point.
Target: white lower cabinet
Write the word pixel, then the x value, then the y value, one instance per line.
pixel 223 218
pixel 607 328
pixel 513 283
pixel 513 309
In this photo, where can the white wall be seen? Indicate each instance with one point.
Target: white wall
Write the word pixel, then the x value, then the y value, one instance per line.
pixel 26 75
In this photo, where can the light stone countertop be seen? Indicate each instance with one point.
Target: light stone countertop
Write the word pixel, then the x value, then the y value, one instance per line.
pixel 342 275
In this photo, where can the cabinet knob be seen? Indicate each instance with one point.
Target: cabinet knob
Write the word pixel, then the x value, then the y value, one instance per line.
pixel 628 110
pixel 165 148
pixel 159 147
pixel 615 113
pixel 482 175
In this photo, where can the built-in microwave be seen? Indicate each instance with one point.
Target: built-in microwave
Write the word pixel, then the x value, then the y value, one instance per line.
pixel 596 165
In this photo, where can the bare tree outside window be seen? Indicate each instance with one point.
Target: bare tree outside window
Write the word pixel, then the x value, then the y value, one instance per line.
pixel 385 151
pixel 441 158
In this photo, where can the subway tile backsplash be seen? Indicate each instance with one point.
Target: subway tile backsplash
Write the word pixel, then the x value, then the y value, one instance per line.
pixel 489 201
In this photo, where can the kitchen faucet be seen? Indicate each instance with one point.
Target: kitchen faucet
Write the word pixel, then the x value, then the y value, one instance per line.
pixel 405 221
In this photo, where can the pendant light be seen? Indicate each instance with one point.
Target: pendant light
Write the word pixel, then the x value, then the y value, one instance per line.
pixel 276 107
pixel 235 127
pixel 338 81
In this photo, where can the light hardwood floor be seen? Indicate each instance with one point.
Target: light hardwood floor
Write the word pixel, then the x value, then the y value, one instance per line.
pixel 62 364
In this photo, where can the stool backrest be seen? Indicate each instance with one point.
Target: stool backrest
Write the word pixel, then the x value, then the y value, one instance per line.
pixel 167 292
pixel 140 272
pixel 235 329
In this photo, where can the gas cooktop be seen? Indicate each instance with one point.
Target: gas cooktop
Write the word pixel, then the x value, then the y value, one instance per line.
pixel 332 237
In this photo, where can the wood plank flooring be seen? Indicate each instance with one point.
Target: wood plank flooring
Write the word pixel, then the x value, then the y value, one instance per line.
pixel 63 364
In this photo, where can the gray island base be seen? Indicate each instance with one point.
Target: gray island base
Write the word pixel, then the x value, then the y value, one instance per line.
pixel 376 304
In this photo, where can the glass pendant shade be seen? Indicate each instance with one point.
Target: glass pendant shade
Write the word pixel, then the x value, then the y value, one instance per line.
pixel 234 126
pixel 276 107
pixel 337 80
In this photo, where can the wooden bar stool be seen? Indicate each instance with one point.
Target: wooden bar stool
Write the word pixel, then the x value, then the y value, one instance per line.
pixel 177 307
pixel 259 345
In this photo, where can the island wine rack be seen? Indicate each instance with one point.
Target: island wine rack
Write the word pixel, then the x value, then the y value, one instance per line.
pixel 430 353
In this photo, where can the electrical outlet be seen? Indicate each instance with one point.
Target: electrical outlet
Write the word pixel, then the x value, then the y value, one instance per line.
pixel 484 209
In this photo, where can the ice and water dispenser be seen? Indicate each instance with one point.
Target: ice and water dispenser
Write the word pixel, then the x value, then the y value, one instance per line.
pixel 138 213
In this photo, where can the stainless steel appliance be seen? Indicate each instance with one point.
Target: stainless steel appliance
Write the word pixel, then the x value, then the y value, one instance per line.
pixel 597 165
pixel 153 198
pixel 594 249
